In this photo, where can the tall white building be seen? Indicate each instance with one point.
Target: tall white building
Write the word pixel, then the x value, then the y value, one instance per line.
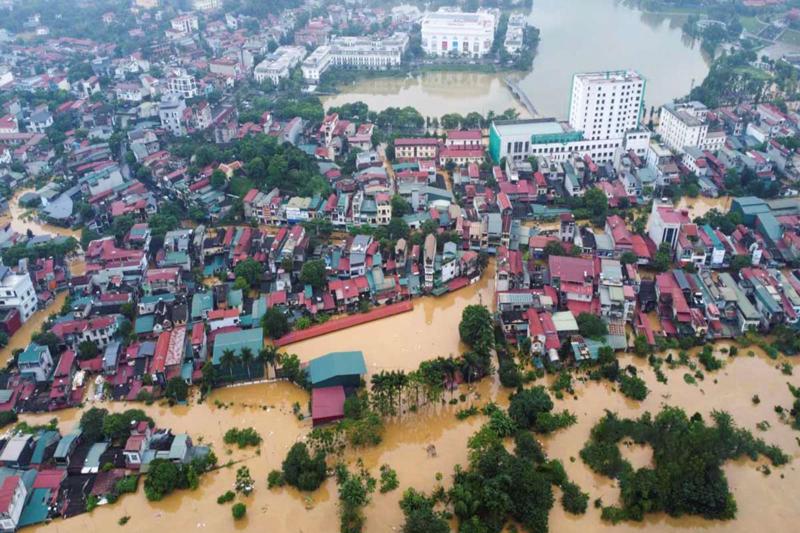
pixel 605 105
pixel 17 292
pixel 316 64
pixel 685 125
pixel 182 83
pixel 456 33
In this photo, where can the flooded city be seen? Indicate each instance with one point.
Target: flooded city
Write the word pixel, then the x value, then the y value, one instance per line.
pixel 592 35
pixel 401 342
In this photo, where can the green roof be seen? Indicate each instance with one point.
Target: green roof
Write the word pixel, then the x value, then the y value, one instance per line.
pixel 46 438
pixel 201 302
pixel 236 340
pixel 35 510
pixel 336 364
pixel 235 297
pixel 64 444
pixel 144 324
pixel 31 354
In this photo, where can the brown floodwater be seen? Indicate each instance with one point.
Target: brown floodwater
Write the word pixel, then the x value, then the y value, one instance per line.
pixel 22 337
pixel 701 205
pixel 433 441
pixel 23 219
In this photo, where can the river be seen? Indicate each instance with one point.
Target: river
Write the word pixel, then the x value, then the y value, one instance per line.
pixel 576 36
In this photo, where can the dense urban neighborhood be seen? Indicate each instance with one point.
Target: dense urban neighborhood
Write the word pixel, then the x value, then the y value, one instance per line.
pixel 179 211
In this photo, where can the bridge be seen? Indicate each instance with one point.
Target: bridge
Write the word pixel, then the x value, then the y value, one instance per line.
pixel 520 95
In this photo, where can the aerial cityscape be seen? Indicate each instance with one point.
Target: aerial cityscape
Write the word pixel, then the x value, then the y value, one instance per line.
pixel 472 266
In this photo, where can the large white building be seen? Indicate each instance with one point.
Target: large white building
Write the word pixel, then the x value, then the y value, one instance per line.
pixel 605 105
pixel 279 64
pixel 316 64
pixel 356 53
pixel 206 5
pixel 603 122
pixel 685 125
pixel 456 33
pixel 17 292
pixel 182 83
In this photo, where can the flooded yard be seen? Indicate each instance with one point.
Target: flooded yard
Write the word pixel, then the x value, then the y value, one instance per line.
pixel 701 205
pixel 23 219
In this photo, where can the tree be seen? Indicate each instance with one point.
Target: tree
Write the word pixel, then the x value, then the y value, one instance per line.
pixel 314 273
pixel 275 323
pixel 244 481
pixel 591 326
pixel 87 350
pixel 628 258
pixel 301 470
pixel 740 261
pixel 596 202
pixel 218 179
pixel 477 327
pixel 177 389
pixel 92 424
pixel 400 206
pixel 663 258
pixel 420 514
pixel 527 404
pixel 238 510
pixel 247 357
pixel 251 270
pixel 227 360
pixel 161 480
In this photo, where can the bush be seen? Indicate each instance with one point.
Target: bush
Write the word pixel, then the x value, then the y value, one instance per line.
pixel 238 510
pixel 242 437
pixel 573 499
pixel 127 484
pixel 633 387
pixel 226 498
pixel 510 376
pixel 275 479
pixel 302 471
pixel 7 417
pixel 389 480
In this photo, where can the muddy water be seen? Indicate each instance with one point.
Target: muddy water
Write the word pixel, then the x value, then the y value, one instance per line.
pixel 22 337
pixel 701 205
pixel 400 343
pixel 23 220
pixel 405 340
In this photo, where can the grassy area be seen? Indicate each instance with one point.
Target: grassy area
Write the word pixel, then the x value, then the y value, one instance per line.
pixel 791 37
pixel 751 24
pixel 754 73
pixel 240 185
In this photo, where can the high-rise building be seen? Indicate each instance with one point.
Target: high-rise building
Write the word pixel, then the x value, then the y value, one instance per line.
pixel 606 105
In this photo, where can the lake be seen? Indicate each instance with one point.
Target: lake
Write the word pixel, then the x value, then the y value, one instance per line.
pixel 576 36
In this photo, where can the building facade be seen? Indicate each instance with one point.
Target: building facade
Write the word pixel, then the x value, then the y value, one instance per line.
pixel 455 33
pixel 606 105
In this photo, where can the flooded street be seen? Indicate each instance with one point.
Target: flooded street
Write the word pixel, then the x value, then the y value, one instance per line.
pixel 569 44
pixel 23 219
pixel 22 337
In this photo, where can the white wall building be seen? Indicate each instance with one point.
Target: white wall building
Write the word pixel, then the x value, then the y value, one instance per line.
pixel 170 111
pixel 605 105
pixel 17 292
pixel 279 64
pixel 683 125
pixel 367 53
pixel 206 5
pixel 456 33
pixel 316 64
pixel 185 24
pixel 183 84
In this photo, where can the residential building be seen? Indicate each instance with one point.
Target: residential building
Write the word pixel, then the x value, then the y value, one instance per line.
pixel 664 224
pixel 17 292
pixel 316 64
pixel 684 126
pixel 170 111
pixel 37 361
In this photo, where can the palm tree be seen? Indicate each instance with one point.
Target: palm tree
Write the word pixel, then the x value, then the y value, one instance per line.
pixel 247 357
pixel 269 356
pixel 227 360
